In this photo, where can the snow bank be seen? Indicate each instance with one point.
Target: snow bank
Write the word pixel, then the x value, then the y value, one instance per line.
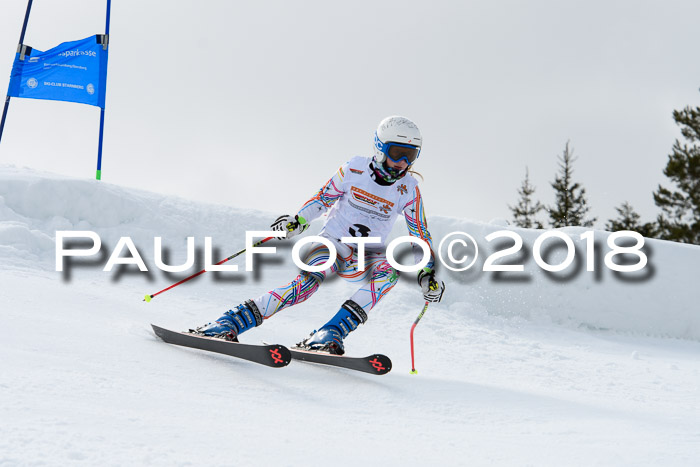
pixel 34 205
pixel 660 300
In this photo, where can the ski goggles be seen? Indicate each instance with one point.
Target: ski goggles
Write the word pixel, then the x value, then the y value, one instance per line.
pixel 398 152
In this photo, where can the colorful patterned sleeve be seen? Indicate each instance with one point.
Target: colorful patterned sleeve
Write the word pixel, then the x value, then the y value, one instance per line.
pixel 325 197
pixel 417 225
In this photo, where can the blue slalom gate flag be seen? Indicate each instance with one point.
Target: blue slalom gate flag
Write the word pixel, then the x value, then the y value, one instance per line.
pixel 72 72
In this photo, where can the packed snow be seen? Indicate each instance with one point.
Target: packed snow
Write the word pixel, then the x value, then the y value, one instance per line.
pixel 518 368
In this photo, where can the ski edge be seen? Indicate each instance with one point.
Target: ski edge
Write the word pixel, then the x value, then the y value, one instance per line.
pixel 375 364
pixel 277 355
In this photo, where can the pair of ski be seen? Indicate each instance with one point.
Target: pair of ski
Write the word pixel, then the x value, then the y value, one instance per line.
pixel 274 355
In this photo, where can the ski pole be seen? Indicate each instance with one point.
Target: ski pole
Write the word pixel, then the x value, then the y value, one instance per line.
pixel 415 323
pixel 149 297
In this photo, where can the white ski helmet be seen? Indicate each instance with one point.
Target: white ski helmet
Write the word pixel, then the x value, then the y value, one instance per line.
pixel 397 138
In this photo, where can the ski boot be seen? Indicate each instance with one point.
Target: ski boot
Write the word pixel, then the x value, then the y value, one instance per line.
pixel 330 337
pixel 232 323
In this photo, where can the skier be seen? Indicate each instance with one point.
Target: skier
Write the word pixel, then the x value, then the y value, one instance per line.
pixel 363 199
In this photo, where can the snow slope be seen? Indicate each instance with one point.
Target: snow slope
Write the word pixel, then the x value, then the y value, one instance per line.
pixel 524 368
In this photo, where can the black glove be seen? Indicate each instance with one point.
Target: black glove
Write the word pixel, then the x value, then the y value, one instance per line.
pixel 293 225
pixel 432 289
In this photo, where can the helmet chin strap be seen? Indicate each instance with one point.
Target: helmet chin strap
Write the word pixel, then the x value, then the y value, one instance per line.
pixel 396 173
pixel 383 175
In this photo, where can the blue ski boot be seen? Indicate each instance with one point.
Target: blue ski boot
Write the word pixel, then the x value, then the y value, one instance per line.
pixel 330 337
pixel 233 322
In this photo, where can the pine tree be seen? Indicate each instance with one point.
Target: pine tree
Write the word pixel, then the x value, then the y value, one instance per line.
pixel 570 205
pixel 628 219
pixel 525 212
pixel 680 217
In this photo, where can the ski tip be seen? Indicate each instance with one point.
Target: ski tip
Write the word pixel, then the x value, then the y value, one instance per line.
pixel 280 356
pixel 380 363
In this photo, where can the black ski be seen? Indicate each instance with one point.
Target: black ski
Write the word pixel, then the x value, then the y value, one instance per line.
pixel 272 355
pixel 376 364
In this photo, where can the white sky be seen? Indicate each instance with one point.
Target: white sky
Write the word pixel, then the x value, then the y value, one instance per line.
pixel 256 104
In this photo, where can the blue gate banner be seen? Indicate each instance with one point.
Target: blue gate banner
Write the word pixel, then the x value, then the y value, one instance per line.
pixel 72 72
